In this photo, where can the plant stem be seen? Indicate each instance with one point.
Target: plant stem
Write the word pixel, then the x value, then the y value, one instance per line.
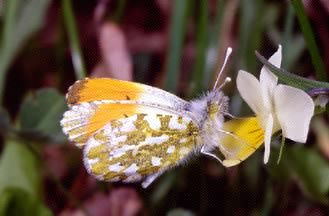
pixel 71 28
pixel 305 26
pixel 10 8
pixel 201 46
pixel 177 33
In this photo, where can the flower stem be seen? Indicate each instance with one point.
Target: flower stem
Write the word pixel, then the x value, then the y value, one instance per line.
pixel 283 141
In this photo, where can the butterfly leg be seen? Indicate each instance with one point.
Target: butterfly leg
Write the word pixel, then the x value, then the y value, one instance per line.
pixel 203 151
pixel 149 179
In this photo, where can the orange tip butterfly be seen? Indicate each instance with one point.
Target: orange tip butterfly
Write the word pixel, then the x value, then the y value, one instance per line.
pixel 132 132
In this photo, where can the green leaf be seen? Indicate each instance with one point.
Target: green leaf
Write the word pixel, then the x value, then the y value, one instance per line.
pixel 17 202
pixel 292 79
pixel 19 169
pixel 21 20
pixel 41 112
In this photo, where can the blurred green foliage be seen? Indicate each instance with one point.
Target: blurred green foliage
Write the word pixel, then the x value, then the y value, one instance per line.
pixel 20 20
pixel 20 181
pixel 16 202
pixel 38 109
pixel 308 167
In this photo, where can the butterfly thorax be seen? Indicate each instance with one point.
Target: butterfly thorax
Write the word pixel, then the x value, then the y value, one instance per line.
pixel 209 110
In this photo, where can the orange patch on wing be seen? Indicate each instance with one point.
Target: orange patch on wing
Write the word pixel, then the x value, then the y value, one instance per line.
pixel 103 89
pixel 107 112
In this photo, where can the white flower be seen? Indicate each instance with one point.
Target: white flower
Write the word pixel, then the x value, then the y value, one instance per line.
pixel 277 107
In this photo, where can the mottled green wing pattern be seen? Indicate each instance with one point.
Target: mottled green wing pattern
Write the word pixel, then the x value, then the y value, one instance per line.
pixel 132 148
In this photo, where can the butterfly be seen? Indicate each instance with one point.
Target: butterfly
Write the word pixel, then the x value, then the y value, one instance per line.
pixel 132 132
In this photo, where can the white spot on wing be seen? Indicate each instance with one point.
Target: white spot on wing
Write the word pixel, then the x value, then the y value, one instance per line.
pixel 91 143
pixel 153 121
pixel 115 167
pixel 133 178
pixel 92 161
pixel 155 140
pixel 73 137
pixel 173 123
pixel 131 170
pixel 128 127
pixel 108 130
pixel 116 140
pixel 171 149
pixel 156 161
pixel 121 151
pixel 128 124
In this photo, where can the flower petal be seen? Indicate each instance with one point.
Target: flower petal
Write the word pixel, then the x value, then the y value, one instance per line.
pixel 268 137
pixel 250 91
pixel 245 137
pixel 294 109
pixel 268 80
pixel 276 58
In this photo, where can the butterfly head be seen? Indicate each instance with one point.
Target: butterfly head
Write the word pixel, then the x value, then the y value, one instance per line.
pixel 217 105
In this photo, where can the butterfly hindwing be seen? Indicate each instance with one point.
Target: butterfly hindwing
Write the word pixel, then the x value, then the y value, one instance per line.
pixel 139 146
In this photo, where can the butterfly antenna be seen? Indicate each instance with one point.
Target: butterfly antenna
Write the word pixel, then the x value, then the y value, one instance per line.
pixel 228 79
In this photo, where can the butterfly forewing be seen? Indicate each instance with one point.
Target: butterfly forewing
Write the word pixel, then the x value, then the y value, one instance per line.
pixel 96 89
pixel 130 149
pixel 95 102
